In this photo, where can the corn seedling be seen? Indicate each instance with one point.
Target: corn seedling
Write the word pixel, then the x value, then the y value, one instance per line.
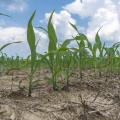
pixel 67 67
pixel 62 60
pixel 31 41
pixel 80 40
pixel 93 49
pixel 3 59
pixel 101 49
pixel 110 53
pixel 53 56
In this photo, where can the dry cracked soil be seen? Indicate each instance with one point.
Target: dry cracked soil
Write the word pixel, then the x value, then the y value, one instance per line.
pixel 93 98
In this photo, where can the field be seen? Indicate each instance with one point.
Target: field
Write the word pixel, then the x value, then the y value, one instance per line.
pixel 65 83
pixel 95 98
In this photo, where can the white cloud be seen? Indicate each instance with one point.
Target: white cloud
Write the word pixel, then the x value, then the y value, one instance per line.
pixel 14 5
pixel 105 12
pixel 61 23
pixel 84 9
pixel 107 18
pixel 12 34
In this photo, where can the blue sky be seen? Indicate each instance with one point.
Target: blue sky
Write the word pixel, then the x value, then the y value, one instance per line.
pixel 89 16
pixel 21 15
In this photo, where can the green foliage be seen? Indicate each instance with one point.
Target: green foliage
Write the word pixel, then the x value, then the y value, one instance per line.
pixel 4 46
pixel 32 44
pixel 55 52
pixel 31 41
pixel 81 40
pixel 52 35
pixel 62 60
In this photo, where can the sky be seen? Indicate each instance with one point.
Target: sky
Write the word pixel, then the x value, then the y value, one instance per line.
pixel 88 16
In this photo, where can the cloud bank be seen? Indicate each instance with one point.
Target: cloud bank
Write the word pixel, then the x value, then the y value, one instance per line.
pixel 13 34
pixel 104 13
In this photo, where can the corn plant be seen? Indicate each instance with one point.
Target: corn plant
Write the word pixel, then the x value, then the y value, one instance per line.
pixel 13 63
pixel 1 54
pixel 31 41
pixel 110 53
pixel 67 67
pixel 80 40
pixel 101 49
pixel 93 49
pixel 118 61
pixel 53 56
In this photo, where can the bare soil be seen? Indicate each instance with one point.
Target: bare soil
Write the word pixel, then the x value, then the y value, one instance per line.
pixel 93 98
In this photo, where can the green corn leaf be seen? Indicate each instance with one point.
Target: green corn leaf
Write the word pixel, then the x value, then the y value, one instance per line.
pixel 82 44
pixel 102 50
pixel 52 35
pixel 75 49
pixel 116 44
pixel 62 49
pixel 118 53
pixel 81 37
pixel 31 40
pixel 103 47
pixel 58 58
pixel 106 51
pixel 4 46
pixel 98 41
pixel 66 43
pixel 94 49
pixel 2 14
pixel 47 58
pixel 68 58
pixel 89 45
pixel 42 28
pixel 37 43
pixel 75 28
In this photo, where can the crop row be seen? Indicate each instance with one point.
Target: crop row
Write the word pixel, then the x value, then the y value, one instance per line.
pixel 62 59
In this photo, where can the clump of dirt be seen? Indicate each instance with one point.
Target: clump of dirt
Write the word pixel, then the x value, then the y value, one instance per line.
pixel 93 98
pixel 7 112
